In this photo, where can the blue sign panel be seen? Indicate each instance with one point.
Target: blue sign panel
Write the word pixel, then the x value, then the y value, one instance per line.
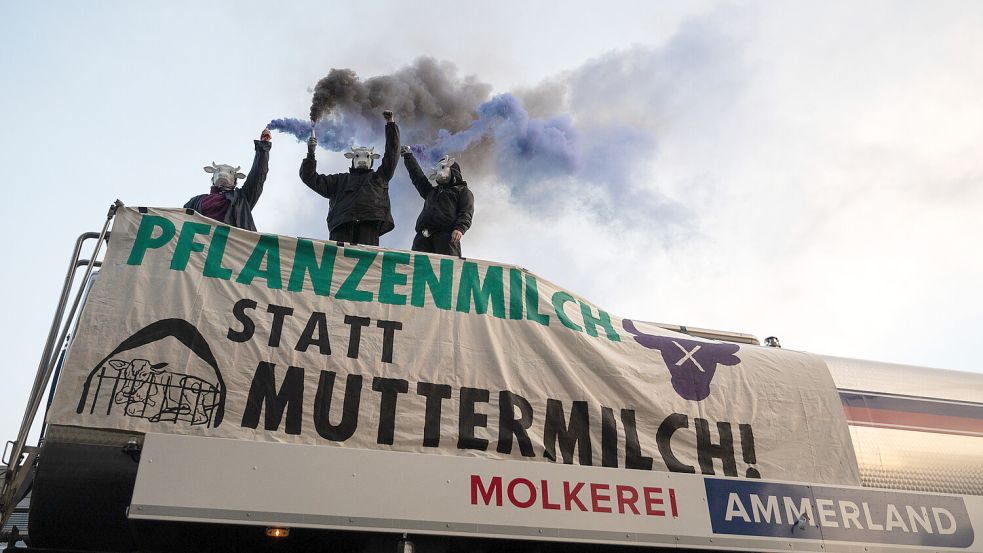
pixel 792 511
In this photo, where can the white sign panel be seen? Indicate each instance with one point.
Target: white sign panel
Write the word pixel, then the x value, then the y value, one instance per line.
pixel 225 481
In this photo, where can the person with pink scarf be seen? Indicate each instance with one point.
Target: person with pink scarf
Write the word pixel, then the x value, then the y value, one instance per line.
pixel 225 201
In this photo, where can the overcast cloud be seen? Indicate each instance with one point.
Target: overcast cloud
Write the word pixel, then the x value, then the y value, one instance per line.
pixel 810 171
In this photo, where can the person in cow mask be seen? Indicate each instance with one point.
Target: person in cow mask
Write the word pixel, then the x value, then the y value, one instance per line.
pixel 231 204
pixel 448 205
pixel 359 211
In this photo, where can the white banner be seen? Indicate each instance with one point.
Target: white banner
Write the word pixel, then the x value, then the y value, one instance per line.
pixel 196 328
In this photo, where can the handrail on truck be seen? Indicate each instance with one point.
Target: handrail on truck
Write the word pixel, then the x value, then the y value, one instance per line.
pixel 16 480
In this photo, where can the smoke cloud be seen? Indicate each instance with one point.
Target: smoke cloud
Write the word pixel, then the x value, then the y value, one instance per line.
pixel 539 159
pixel 578 140
pixel 427 96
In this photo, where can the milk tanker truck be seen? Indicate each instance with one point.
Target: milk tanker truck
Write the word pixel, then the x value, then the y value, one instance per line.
pixel 212 389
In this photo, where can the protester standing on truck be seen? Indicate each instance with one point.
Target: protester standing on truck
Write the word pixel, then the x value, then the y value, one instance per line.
pixel 448 205
pixel 227 203
pixel 359 210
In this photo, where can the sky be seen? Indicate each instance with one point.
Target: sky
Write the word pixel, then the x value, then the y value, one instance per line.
pixel 810 171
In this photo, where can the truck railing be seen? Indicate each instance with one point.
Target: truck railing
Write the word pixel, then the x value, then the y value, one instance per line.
pixel 18 456
pixel 711 334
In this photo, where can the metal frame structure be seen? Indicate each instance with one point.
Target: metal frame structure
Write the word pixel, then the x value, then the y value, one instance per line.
pixel 16 480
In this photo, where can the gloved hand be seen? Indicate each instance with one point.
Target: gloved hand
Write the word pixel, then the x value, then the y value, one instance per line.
pixel 405 150
pixel 311 145
pixel 388 115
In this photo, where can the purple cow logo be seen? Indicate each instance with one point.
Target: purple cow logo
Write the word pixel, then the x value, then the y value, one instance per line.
pixel 691 363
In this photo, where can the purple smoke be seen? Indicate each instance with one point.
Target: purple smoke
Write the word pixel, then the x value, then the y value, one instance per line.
pixel 524 146
pixel 334 134
pixel 296 127
pixel 578 140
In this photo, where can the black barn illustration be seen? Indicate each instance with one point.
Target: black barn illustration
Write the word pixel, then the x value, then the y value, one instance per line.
pixel 146 389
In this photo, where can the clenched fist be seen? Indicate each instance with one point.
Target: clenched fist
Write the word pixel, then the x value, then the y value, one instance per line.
pixel 388 115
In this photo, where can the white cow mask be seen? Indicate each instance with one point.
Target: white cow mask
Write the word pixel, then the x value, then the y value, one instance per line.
pixel 441 173
pixel 362 157
pixel 224 176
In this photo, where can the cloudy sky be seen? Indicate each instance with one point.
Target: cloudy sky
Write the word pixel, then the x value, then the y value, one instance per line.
pixel 805 170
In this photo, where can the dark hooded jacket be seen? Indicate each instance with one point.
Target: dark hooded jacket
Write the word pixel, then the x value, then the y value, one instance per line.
pixel 359 194
pixel 243 199
pixel 447 206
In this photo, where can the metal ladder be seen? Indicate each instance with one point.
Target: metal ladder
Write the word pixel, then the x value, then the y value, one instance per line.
pixel 19 457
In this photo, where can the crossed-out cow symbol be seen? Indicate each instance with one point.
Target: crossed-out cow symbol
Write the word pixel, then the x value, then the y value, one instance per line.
pixel 692 364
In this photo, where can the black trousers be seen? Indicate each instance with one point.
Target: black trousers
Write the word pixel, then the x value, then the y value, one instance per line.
pixel 359 232
pixel 438 242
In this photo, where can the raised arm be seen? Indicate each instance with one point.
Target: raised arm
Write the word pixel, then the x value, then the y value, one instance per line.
pixel 465 211
pixel 387 168
pixel 325 185
pixel 417 177
pixel 252 187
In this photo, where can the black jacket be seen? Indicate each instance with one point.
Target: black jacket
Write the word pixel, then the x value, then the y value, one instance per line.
pixel 359 194
pixel 242 200
pixel 445 207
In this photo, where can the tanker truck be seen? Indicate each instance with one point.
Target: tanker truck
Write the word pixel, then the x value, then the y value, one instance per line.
pixel 206 388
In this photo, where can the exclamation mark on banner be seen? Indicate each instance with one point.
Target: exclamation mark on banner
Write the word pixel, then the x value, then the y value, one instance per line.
pixel 747 447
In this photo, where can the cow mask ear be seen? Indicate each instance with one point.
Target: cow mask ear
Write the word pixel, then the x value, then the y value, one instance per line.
pixel 240 176
pixel 349 155
pixel 208 169
pixel 375 156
